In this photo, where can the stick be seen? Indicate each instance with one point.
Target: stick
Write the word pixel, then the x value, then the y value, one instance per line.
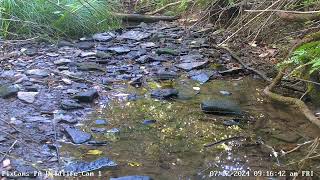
pixel 224 140
pixel 285 11
pixel 9 150
pixel 144 18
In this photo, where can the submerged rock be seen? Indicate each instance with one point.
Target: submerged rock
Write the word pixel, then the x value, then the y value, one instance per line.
pixel 221 107
pixel 132 178
pixel 225 93
pixel 135 35
pixel 70 105
pixel 7 91
pixel 231 122
pixel 191 65
pixel 28 97
pixel 164 93
pixel 101 122
pixel 290 137
pixel 148 121
pixel 77 136
pixel 100 163
pixel 87 96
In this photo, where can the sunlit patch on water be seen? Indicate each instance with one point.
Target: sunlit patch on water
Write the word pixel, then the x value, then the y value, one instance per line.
pixel 173 146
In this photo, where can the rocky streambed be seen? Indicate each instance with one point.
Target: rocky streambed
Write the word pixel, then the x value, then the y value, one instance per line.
pixel 153 101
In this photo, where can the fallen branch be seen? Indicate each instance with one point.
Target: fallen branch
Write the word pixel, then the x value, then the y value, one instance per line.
pixel 9 150
pixel 236 57
pixel 278 10
pixel 224 141
pixel 144 18
pixel 289 100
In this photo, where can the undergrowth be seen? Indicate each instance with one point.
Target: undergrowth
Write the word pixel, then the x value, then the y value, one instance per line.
pixel 55 18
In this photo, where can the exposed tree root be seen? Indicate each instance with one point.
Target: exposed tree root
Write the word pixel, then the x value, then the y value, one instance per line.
pixel 144 18
pixel 289 100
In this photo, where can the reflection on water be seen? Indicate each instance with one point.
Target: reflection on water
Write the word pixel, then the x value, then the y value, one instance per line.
pixel 173 146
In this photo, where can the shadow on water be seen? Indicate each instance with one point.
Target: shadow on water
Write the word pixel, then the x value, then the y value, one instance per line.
pixel 172 147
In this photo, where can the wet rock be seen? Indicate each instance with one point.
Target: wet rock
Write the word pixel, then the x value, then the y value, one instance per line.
pixel 225 93
pixel 191 65
pixel 136 82
pixel 61 118
pixel 85 45
pixel 166 51
pixel 2 138
pixel 164 93
pixel 7 91
pixel 202 78
pixel 114 131
pixel 31 88
pixel 87 96
pixel 103 37
pixel 31 52
pixel 231 122
pixel 97 143
pixel 98 130
pixel 100 163
pixel 101 122
pixel 191 58
pixel 148 45
pixel 132 178
pixel 221 107
pixel 136 54
pixel 119 49
pixel 77 136
pixel 149 121
pixel 64 43
pixel 70 105
pixel 102 55
pixel 40 73
pixel 87 54
pixel 39 119
pixel 165 75
pixel 89 66
pixel 231 71
pixel 135 35
pixel 28 97
pixel 290 137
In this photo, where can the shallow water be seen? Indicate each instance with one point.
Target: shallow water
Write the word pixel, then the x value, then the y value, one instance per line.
pixel 173 147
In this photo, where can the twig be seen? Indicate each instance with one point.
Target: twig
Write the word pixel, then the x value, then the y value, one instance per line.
pixel 296 148
pixel 263 76
pixel 9 150
pixel 285 11
pixel 224 140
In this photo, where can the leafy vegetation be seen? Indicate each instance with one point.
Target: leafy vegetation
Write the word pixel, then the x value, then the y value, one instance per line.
pixel 72 18
pixel 306 56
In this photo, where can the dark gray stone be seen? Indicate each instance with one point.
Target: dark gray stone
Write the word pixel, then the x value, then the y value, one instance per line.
pixel 135 35
pixel 119 49
pixel 164 93
pixel 98 130
pixel 85 45
pixel 41 73
pixel 168 51
pixel 77 136
pixel 165 75
pixel 70 105
pixel 64 43
pixel 62 61
pixel 221 107
pixel 89 66
pixel 100 163
pixel 104 37
pixel 7 91
pixel 87 96
pixel 290 137
pixel 191 65
pixel 149 121
pixel 231 122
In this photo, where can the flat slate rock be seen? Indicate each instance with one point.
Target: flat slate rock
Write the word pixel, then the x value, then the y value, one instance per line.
pixel 192 65
pixel 28 97
pixel 100 163
pixel 62 61
pixel 119 49
pixel 136 177
pixel 164 93
pixel 89 66
pixel 202 77
pixel 38 73
pixel 7 91
pixel 165 75
pixel 104 37
pixel 221 107
pixel 289 137
pixel 77 136
pixel 87 96
pixel 85 45
pixel 70 105
pixel 135 35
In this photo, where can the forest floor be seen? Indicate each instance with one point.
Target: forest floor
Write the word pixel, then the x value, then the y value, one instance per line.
pixel 48 93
